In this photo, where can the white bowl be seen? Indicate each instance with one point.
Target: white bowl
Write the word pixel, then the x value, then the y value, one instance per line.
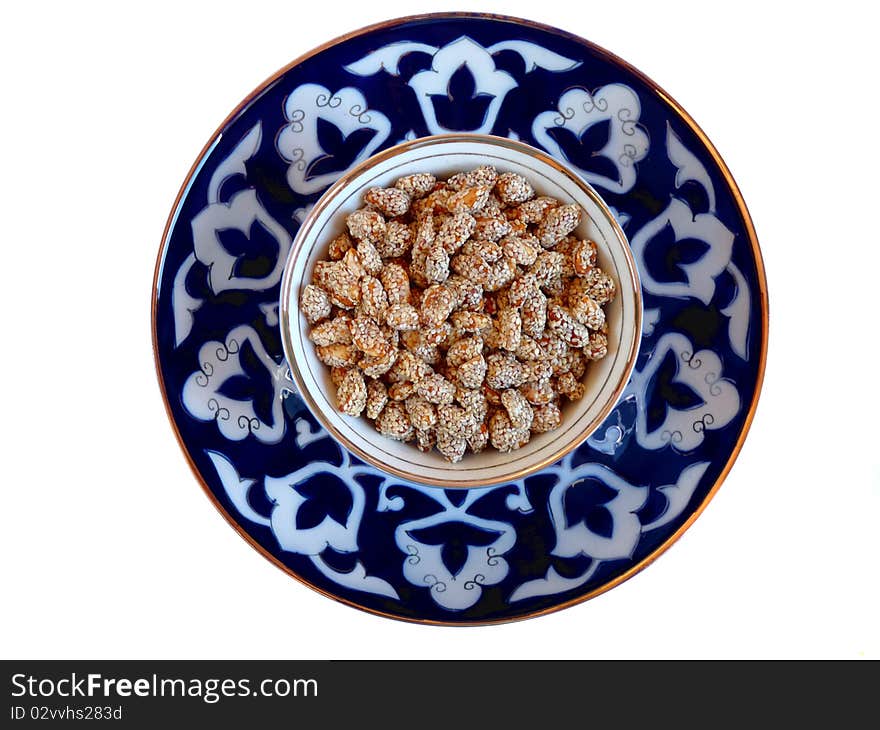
pixel 445 155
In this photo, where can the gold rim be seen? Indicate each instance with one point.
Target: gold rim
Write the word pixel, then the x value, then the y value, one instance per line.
pixel 327 198
pixel 753 241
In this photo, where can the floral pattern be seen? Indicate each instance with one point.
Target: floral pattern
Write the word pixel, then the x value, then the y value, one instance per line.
pixel 416 552
pixel 327 133
pixel 614 108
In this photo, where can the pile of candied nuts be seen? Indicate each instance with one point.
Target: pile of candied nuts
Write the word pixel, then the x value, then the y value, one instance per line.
pixel 459 313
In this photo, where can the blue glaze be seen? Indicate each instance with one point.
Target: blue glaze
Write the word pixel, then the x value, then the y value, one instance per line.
pixel 432 554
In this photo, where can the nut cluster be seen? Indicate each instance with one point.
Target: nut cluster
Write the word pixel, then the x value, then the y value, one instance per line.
pixel 459 313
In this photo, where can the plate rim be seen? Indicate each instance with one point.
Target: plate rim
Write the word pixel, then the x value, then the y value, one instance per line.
pixel 684 116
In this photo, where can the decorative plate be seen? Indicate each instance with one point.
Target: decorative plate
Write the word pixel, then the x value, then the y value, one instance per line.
pixel 486 554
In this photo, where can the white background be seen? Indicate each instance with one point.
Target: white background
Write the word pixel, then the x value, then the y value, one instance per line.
pixel 110 549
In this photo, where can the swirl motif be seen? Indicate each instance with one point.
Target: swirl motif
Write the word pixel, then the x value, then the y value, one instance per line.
pixel 627 121
pixel 328 100
pixel 476 582
pixel 204 377
pixel 360 113
pixel 593 104
pixel 703 423
pixel 224 351
pixel 434 583
pixel 564 116
pixel 498 580
pixel 220 413
pixel 296 117
pixel 671 437
pixel 297 158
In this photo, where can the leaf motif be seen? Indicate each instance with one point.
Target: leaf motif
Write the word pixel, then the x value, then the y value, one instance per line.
pixel 689 167
pixel 340 151
pixel 261 383
pixel 388 58
pixel 584 151
pixel 584 502
pixel 664 256
pixel 664 392
pixel 183 302
pixel 535 56
pixel 234 166
pixel 462 107
pixel 325 497
pixel 330 137
pixel 238 387
pixel 456 539
pixel 256 252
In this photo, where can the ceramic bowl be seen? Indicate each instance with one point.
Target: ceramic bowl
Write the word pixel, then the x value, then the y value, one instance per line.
pixel 444 155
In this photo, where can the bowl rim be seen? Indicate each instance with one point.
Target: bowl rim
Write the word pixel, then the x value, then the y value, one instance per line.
pixel 325 200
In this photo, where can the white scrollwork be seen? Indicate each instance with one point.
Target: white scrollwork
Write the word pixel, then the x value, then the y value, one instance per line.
pixel 491 84
pixel 738 311
pixel 183 304
pixel 298 142
pixel 483 564
pixel 701 372
pixel 684 224
pixel 612 435
pixel 650 318
pixel 678 496
pixel 552 583
pixel 578 110
pixel 241 213
pixel 700 274
pixel 236 418
pixel 287 501
pixel 578 539
pixel 688 166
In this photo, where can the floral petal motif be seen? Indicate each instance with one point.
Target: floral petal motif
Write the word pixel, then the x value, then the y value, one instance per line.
pixel 618 107
pixel 573 539
pixel 203 392
pixel 460 586
pixel 318 118
pixel 678 496
pixel 487 86
pixel 341 536
pixel 699 373
pixel 184 304
pixel 287 501
pixel 245 214
pixel 699 274
pixel 489 82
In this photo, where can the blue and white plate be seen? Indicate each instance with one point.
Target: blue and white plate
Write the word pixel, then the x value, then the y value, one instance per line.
pixel 443 555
